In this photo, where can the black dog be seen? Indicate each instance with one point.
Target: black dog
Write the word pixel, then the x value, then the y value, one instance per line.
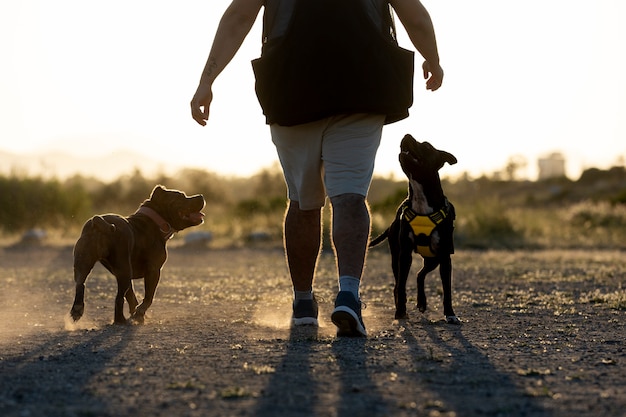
pixel 133 247
pixel 424 223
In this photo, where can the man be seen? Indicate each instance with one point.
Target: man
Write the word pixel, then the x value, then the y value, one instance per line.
pixel 327 146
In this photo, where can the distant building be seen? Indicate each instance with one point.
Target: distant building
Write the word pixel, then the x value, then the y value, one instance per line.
pixel 551 166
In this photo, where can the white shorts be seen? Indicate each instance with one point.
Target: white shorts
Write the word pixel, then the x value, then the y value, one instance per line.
pixel 331 156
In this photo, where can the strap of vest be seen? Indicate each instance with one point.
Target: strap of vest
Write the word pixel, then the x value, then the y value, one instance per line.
pixel 437 217
pixel 423 226
pixel 389 20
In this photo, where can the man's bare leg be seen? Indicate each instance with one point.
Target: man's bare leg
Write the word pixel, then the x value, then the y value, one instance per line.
pixel 302 233
pixel 351 229
pixel 303 230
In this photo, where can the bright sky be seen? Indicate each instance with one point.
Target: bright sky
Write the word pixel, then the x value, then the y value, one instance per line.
pixel 522 77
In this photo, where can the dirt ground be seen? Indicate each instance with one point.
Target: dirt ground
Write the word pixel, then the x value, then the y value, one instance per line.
pixel 542 335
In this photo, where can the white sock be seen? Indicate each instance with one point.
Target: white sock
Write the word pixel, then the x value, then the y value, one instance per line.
pixel 348 283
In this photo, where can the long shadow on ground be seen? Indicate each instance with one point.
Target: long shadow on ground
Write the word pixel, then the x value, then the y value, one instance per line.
pixel 29 381
pixel 457 373
pixel 319 377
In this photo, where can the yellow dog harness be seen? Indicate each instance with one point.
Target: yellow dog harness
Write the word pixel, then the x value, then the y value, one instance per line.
pixel 423 227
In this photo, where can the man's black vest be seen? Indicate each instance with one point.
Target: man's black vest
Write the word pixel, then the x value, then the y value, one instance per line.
pixel 322 58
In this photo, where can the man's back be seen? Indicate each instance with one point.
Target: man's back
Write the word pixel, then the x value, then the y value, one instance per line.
pixel 327 57
pixel 278 14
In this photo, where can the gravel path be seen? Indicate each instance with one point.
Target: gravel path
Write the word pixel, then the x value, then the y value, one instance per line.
pixel 542 335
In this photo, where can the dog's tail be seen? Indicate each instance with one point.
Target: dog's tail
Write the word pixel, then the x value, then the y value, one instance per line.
pixel 384 235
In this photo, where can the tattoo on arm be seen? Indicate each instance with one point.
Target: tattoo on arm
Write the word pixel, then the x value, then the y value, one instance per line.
pixel 210 67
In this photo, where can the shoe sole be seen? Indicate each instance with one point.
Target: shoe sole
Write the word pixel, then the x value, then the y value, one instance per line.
pixel 304 321
pixel 347 322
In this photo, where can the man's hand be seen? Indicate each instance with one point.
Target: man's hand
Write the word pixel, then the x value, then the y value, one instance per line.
pixel 234 25
pixel 200 104
pixel 433 74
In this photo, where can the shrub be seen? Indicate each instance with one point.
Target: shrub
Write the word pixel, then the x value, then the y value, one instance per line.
pixel 34 202
pixel 486 225
pixel 593 214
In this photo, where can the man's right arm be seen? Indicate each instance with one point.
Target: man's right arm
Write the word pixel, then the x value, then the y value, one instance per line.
pixel 234 26
pixel 416 20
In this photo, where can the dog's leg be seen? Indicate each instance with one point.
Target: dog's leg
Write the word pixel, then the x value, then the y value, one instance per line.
pixel 429 265
pixel 122 270
pixel 78 307
pixel 445 271
pixel 131 298
pixel 123 285
pixel 84 262
pixel 403 267
pixel 151 281
pixel 401 258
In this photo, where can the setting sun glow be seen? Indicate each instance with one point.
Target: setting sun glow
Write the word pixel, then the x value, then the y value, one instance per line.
pixel 522 79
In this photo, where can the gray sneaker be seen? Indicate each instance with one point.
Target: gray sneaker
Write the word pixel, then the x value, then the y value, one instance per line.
pixel 347 315
pixel 305 313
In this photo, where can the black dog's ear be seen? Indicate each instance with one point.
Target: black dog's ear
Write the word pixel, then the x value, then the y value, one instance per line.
pixel 158 189
pixel 447 157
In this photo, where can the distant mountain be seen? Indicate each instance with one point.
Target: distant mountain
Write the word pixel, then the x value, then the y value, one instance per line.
pixel 62 165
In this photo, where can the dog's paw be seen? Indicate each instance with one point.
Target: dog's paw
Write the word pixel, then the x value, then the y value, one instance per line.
pixel 453 320
pixel 77 311
pixel 401 315
pixel 422 306
pixel 137 318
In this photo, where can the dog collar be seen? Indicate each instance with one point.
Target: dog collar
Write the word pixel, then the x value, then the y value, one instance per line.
pixel 423 226
pixel 165 228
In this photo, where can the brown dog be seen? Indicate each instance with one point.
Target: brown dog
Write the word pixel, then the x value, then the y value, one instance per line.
pixel 424 224
pixel 133 247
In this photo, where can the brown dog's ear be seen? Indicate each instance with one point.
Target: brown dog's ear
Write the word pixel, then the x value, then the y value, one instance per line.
pixel 447 157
